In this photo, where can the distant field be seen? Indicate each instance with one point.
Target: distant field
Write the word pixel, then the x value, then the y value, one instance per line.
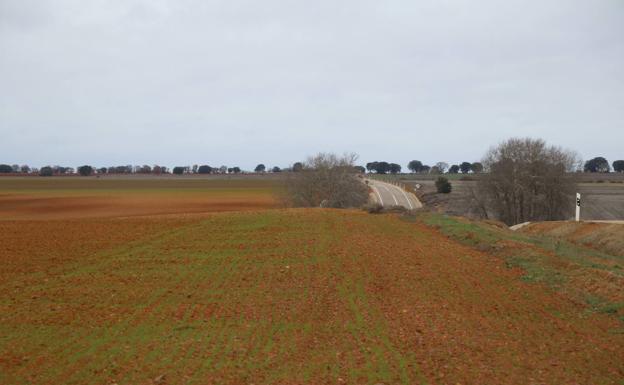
pixel 306 296
pixel 601 201
pixel 77 197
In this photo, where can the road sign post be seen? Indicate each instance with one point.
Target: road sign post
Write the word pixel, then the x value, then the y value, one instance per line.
pixel 578 207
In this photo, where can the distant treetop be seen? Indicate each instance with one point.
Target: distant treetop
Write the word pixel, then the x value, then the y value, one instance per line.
pixel 598 164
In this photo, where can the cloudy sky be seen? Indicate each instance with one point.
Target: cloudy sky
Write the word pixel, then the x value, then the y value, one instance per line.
pixel 238 82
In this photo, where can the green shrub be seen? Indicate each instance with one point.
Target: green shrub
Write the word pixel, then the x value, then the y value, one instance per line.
pixel 85 170
pixel 373 208
pixel 46 171
pixel 443 186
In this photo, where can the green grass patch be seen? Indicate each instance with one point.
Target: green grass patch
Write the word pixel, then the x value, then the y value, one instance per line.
pixel 543 259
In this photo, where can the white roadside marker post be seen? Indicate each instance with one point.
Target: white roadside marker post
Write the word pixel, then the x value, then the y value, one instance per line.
pixel 578 207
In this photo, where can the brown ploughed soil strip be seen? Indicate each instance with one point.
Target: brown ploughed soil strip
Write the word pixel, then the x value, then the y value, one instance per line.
pixel 26 207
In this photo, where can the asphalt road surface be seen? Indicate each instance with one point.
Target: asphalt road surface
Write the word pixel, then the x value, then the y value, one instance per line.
pixel 389 195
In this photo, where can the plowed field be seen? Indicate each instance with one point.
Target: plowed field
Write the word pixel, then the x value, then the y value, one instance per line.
pixel 67 197
pixel 282 297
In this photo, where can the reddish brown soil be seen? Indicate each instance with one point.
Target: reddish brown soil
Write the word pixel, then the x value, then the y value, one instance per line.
pixel 63 207
pixel 74 198
pixel 288 297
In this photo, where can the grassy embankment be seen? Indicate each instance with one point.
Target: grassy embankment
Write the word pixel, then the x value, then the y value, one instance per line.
pixel 580 272
pixel 606 237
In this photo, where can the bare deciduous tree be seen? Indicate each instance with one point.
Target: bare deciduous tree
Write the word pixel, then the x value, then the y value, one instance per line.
pixel 442 167
pixel 528 181
pixel 326 180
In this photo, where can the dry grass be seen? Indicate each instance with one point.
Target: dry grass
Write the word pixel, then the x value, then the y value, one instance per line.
pixel 608 238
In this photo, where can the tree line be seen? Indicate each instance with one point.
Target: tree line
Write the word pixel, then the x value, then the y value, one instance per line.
pixel 416 166
pixel 600 164
pixel 87 170
pixel 595 165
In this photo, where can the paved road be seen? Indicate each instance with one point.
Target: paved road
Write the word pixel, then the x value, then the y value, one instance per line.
pixel 390 195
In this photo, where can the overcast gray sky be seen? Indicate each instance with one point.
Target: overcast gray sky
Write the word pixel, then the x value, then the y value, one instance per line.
pixel 234 82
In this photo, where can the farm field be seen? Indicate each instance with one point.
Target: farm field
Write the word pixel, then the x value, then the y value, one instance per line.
pixel 296 296
pixel 67 197
pixel 602 200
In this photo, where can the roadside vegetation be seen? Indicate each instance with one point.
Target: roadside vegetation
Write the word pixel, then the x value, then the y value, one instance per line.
pixel 326 180
pixel 443 186
pixel 582 274
pixel 528 181
pixel 605 237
